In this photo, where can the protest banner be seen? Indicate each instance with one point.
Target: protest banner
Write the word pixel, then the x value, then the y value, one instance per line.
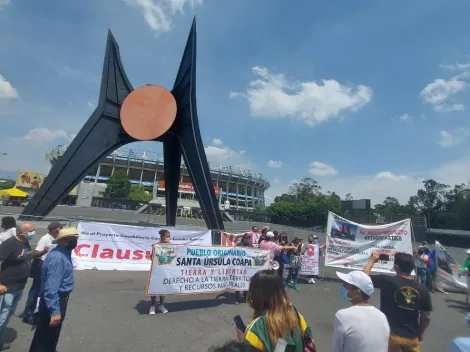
pixel 103 246
pixel 233 239
pixel 448 271
pixel 349 245
pixel 310 261
pixel 185 269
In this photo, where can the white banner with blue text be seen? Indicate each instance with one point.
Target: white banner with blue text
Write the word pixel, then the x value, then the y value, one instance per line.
pixel 187 269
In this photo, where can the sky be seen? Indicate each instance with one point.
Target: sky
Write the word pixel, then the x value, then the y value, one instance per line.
pixel 366 97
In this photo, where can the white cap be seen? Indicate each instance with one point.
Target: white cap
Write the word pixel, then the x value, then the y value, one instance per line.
pixel 358 279
pixel 467 251
pixel 270 235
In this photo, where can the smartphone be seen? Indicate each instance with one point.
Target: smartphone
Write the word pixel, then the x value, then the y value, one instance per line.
pixel 239 323
pixel 384 257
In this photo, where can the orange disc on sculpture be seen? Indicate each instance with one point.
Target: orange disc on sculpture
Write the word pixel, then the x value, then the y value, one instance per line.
pixel 148 112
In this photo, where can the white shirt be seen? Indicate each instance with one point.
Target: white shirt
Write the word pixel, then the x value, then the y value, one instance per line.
pixel 360 328
pixel 45 241
pixel 419 264
pixel 7 234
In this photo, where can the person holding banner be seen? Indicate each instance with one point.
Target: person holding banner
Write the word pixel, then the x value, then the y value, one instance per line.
pixel 164 238
pixel 276 249
pixel 276 321
pixel 244 242
pixel 294 263
pixel 405 302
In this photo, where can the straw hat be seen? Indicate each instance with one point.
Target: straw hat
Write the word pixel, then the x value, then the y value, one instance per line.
pixel 66 232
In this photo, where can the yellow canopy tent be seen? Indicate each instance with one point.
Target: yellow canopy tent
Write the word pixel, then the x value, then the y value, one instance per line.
pixel 13 192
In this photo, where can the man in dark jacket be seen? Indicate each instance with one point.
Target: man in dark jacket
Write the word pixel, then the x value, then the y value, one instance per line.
pixel 244 242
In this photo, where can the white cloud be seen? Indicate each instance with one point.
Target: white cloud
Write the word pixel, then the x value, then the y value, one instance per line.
pixel 385 184
pixel 446 139
pixel 221 154
pixel 387 175
pixel 438 92
pixel 276 189
pixel 453 138
pixel 449 108
pixel 273 96
pixel 217 141
pixel 6 89
pixel 456 67
pixel 43 134
pixel 4 3
pixel 158 14
pixel 321 169
pixel 276 181
pixel 275 164
pixel 406 118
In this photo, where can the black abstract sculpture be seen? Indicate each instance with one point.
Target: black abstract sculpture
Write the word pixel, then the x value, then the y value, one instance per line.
pixel 103 133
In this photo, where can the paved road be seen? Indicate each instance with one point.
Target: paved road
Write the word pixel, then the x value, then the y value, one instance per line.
pixel 108 312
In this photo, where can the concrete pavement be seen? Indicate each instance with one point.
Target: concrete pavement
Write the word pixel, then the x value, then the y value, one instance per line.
pixel 108 312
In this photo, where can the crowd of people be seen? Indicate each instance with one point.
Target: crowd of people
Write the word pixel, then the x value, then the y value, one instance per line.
pixel 398 326
pixel 277 326
pixel 51 270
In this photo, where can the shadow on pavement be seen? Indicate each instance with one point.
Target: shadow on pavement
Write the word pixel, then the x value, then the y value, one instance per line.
pixel 143 307
pixel 460 306
pixel 9 335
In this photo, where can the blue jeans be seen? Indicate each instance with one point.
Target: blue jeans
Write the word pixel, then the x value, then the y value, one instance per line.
pixel 33 295
pixel 293 275
pixel 8 303
pixel 421 275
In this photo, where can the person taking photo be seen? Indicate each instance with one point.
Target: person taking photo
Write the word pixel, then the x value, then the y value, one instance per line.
pixel 405 302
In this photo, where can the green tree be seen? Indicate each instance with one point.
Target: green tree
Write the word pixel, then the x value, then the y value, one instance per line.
pixel 118 186
pixel 138 192
pixel 391 206
pixel 7 185
pixel 430 200
pixel 348 196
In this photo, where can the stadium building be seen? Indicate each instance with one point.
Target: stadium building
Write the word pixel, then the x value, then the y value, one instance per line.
pixel 236 188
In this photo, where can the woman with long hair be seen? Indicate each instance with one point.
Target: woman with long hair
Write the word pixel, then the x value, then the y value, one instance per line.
pixel 276 321
pixel 164 238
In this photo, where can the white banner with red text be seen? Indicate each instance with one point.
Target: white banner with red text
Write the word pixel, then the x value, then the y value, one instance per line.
pixel 310 261
pixel 184 269
pixel 349 245
pixel 103 246
pixel 448 271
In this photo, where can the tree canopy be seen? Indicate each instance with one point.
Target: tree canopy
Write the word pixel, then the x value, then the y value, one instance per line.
pixel 443 206
pixel 138 192
pixel 119 185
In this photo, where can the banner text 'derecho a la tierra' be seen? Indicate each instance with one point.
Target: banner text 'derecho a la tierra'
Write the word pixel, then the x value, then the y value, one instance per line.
pixel 186 269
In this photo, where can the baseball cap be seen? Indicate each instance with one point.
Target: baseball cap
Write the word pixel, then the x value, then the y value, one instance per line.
pixel 358 279
pixel 270 234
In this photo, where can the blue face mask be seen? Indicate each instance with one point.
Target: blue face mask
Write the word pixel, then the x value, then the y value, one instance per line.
pixel 344 294
pixel 30 236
